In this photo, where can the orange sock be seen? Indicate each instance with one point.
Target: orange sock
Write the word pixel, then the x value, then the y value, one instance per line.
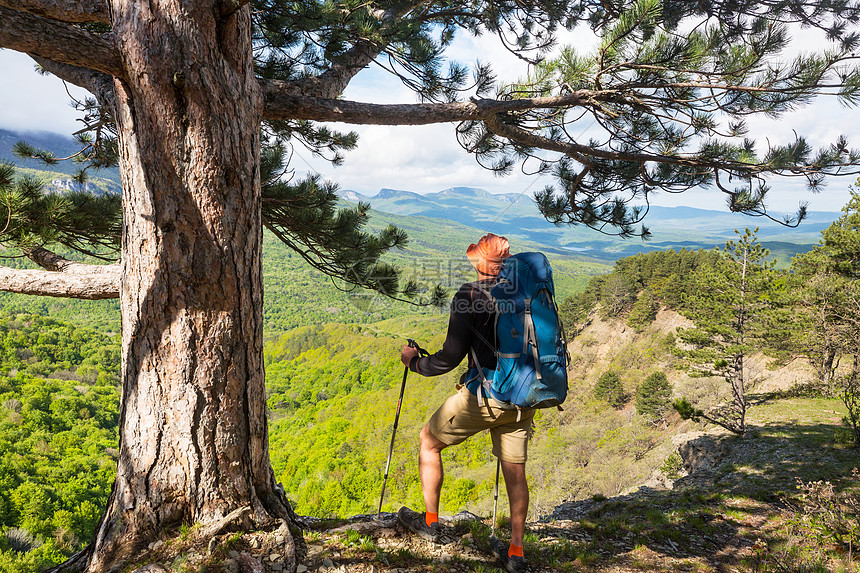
pixel 515 551
pixel 430 518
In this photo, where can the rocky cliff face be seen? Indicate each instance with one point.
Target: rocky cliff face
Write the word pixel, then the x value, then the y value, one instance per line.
pixel 97 187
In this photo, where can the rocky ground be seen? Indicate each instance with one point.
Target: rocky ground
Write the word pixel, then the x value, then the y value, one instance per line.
pixel 784 497
pixel 645 531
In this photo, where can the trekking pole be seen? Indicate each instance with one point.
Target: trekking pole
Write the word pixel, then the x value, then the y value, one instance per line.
pixel 421 352
pixel 496 498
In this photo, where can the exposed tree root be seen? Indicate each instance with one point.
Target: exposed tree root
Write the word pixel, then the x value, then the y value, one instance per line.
pixel 215 528
pixel 74 564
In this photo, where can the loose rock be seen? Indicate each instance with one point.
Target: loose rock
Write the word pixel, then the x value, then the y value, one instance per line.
pixel 152 568
pixel 465 516
pixel 250 564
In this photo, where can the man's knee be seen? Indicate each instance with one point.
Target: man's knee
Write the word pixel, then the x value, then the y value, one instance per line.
pixel 514 472
pixel 429 442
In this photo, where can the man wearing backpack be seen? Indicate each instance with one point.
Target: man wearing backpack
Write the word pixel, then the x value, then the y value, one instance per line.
pixel 471 332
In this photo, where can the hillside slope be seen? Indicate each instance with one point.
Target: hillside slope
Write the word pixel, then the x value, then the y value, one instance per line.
pixel 609 491
pixel 338 385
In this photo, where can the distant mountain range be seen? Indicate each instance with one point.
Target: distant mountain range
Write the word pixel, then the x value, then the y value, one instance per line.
pixel 455 193
pixel 513 215
pixel 516 216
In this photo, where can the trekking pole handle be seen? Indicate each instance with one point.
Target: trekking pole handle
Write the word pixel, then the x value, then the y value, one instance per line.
pixel 412 344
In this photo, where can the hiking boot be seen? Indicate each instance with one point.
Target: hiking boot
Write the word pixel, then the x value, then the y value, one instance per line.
pixel 414 522
pixel 513 564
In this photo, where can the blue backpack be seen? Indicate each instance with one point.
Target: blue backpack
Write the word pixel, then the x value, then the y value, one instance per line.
pixel 531 358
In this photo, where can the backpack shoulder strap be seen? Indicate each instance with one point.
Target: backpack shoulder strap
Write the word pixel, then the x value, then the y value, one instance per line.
pixel 485 384
pixel 530 337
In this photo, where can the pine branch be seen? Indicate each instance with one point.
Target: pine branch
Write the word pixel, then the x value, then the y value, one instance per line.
pixel 51 261
pixel 63 10
pixel 95 82
pixel 58 41
pixel 580 152
pixel 79 220
pixel 332 82
pixel 96 283
pixel 283 103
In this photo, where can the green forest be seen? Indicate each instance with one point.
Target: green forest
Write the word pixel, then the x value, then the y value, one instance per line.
pixel 59 403
pixel 332 386
pixel 296 294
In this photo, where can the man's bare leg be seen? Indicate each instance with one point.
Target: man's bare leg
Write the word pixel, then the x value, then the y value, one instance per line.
pixel 430 468
pixel 518 494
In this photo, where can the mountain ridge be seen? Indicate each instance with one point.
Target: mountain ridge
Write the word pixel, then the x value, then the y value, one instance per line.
pixel 515 215
pixel 464 192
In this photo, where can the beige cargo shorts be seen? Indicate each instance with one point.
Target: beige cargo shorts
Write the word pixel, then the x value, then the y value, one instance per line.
pixel 460 417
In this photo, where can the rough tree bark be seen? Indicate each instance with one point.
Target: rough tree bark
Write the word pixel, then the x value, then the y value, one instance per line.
pixel 193 436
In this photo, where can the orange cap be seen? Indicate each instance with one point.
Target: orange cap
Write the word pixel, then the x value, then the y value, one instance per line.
pixel 488 254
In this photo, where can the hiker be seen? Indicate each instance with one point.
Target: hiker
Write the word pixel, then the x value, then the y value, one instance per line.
pixel 471 331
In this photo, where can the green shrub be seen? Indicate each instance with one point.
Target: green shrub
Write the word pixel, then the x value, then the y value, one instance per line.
pixel 609 388
pixel 644 310
pixel 672 466
pixel 652 396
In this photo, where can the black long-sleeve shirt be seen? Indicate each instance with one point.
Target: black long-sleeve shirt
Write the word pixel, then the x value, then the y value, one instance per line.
pixel 471 325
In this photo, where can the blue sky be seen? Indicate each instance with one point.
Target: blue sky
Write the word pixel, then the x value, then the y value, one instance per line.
pixel 427 158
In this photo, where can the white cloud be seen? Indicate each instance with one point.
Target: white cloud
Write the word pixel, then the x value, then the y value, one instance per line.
pixel 428 158
pixel 31 102
pixel 422 159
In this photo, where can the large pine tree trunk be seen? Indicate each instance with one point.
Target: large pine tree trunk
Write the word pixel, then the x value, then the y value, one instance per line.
pixel 193 435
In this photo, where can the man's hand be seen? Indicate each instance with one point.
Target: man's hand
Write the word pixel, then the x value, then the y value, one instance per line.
pixel 407 354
